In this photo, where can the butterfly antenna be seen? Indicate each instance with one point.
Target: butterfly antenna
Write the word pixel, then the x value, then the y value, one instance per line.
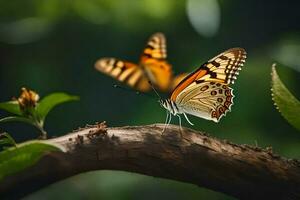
pixel 154 89
pixel 135 91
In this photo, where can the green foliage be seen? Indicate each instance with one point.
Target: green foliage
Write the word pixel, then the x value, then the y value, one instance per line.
pixel 34 112
pixel 6 139
pixel 11 107
pixel 52 100
pixel 286 103
pixel 17 119
pixel 13 160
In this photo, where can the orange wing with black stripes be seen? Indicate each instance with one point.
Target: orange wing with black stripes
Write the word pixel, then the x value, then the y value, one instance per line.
pixel 152 66
pixel 205 92
pixel 126 72
pixel 153 61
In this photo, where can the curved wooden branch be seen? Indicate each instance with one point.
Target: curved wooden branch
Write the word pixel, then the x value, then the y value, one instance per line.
pixel 238 170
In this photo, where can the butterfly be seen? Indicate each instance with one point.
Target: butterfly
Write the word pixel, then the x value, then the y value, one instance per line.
pixel 152 67
pixel 205 93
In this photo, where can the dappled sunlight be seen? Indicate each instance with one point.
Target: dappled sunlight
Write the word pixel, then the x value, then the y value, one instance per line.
pixel 287 52
pixel 205 16
pixel 24 30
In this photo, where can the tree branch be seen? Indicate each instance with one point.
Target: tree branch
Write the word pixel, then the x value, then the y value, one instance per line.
pixel 238 170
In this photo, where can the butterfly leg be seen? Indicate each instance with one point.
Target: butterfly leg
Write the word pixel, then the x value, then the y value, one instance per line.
pixel 167 122
pixel 180 127
pixel 187 119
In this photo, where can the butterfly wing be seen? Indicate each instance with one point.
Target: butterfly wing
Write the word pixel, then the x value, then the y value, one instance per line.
pixel 205 92
pixel 126 72
pixel 208 100
pixel 156 47
pixel 153 61
pixel 224 67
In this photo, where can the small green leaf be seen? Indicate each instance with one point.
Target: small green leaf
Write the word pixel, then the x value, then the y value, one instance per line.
pixel 31 121
pixel 11 106
pixel 14 160
pixel 17 119
pixel 286 103
pixel 7 139
pixel 52 100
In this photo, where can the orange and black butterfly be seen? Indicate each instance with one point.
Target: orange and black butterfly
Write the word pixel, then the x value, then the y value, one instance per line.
pixel 152 67
pixel 205 92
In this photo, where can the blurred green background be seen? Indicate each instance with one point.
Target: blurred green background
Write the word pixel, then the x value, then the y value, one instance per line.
pixel 51 45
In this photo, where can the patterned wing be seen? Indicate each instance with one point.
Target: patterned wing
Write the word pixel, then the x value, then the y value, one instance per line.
pixel 126 72
pixel 153 62
pixel 156 47
pixel 205 92
pixel 222 69
pixel 208 100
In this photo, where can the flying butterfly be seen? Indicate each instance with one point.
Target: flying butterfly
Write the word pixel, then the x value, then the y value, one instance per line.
pixel 205 92
pixel 152 67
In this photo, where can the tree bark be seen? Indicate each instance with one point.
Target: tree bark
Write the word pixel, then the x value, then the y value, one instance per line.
pixel 240 171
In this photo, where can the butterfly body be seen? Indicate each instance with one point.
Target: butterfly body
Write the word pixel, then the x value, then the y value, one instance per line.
pixel 205 92
pixel 158 72
pixel 170 106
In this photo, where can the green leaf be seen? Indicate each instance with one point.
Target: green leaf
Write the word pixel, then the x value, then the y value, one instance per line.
pixel 11 106
pixel 17 119
pixel 286 103
pixel 31 121
pixel 7 139
pixel 52 100
pixel 14 160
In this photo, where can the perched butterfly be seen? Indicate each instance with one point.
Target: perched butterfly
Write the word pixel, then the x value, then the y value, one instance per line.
pixel 206 93
pixel 152 67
